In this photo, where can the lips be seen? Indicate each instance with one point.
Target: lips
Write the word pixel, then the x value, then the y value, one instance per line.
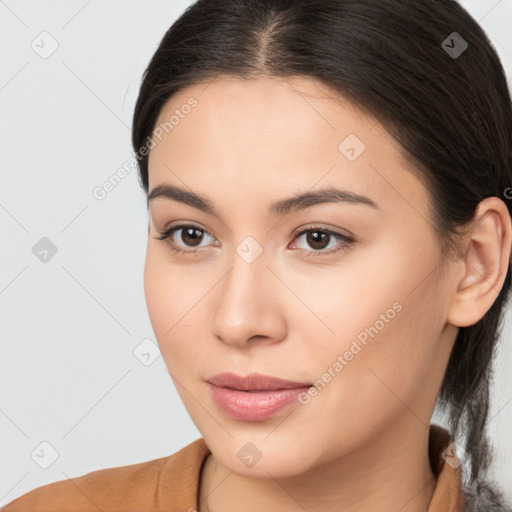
pixel 254 397
pixel 254 382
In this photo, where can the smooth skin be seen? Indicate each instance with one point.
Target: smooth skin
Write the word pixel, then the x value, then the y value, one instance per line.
pixel 361 442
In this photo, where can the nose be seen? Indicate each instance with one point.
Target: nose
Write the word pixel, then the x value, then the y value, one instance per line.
pixel 247 305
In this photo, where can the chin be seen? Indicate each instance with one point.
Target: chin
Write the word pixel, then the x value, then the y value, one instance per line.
pixel 257 456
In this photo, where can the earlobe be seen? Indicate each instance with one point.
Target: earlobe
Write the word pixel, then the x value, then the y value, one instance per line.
pixel 486 262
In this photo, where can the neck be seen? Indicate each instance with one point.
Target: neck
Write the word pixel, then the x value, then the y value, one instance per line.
pixel 389 472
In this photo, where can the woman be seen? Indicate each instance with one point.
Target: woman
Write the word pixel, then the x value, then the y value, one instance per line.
pixel 328 258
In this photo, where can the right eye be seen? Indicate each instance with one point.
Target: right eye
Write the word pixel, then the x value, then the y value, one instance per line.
pixel 189 234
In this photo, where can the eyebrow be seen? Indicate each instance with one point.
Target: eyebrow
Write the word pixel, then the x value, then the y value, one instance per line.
pixel 278 208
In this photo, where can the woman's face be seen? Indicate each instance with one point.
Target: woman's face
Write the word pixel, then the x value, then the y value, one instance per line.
pixel 363 314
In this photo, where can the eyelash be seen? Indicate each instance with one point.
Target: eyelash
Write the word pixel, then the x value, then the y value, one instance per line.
pixel 166 234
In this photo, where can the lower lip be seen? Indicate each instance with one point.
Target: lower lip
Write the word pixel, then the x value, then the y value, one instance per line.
pixel 253 406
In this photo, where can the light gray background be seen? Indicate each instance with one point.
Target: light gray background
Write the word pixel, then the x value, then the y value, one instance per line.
pixel 68 327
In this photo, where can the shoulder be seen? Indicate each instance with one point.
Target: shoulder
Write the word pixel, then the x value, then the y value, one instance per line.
pixel 94 490
pixel 131 486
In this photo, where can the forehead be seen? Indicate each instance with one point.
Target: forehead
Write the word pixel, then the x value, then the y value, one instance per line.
pixel 273 134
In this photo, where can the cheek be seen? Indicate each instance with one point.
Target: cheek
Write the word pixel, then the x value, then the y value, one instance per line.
pixel 376 369
pixel 381 328
pixel 157 292
pixel 173 296
pixel 166 296
pixel 169 288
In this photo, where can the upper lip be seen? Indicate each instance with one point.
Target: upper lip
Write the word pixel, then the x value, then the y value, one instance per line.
pixel 253 382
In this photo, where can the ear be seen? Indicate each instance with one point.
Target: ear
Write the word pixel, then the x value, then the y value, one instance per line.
pixel 486 255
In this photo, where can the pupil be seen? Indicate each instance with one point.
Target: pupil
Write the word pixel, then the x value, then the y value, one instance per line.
pixel 193 234
pixel 316 237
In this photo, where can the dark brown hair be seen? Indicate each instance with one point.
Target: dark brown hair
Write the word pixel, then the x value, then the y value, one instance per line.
pixel 451 114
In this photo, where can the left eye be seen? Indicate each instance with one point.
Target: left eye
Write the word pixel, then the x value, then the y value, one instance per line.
pixel 316 238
